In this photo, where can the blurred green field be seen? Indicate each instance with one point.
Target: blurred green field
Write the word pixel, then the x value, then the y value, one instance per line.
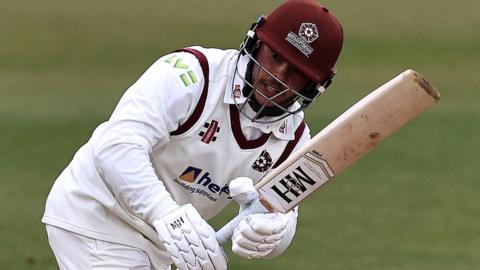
pixel 411 204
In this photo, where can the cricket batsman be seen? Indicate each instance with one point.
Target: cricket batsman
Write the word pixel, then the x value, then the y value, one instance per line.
pixel 139 193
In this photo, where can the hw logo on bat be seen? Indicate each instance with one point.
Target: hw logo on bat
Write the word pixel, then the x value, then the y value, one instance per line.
pixel 301 178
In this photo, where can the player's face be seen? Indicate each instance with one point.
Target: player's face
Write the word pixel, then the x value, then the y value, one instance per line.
pixel 268 85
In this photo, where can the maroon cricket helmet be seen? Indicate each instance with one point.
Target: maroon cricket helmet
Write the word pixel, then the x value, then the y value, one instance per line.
pixel 307 35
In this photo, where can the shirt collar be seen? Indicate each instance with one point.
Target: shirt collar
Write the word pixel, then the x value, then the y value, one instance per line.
pixel 235 83
pixel 282 129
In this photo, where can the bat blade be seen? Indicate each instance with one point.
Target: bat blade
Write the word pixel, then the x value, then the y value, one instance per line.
pixel 350 136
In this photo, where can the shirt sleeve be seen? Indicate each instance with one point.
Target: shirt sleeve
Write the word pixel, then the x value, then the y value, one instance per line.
pixel 162 98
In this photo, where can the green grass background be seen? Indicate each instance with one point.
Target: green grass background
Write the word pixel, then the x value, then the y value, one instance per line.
pixel 413 203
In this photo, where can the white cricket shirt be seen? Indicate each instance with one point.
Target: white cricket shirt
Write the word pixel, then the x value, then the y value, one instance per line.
pixel 175 137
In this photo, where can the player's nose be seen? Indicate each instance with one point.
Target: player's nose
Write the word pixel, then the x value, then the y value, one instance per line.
pixel 280 71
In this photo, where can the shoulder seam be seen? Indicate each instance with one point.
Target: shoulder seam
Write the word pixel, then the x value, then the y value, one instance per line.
pixel 197 112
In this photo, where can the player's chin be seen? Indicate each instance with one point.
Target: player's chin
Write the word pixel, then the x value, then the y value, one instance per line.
pixel 269 102
pixel 264 100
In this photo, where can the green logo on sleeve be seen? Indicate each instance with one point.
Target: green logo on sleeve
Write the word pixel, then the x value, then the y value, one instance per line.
pixel 179 64
pixel 188 77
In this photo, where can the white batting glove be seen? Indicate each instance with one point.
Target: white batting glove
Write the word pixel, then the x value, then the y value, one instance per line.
pixel 264 235
pixel 190 240
pixel 242 190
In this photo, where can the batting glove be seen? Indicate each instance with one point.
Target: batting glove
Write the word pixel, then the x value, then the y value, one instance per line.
pixel 189 240
pixel 264 235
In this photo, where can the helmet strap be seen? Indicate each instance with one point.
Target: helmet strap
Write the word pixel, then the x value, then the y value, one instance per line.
pixel 250 42
pixel 315 89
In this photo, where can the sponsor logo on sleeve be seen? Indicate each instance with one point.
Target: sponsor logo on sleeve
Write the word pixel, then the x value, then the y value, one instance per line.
pixel 188 76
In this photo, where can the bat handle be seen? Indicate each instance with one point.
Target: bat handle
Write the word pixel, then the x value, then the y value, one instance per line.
pixel 252 207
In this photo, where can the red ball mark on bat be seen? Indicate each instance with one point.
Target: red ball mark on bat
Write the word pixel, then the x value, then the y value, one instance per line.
pixel 374 135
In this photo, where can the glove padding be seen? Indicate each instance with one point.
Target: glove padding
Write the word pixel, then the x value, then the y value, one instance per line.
pixel 189 240
pixel 258 234
pixel 263 235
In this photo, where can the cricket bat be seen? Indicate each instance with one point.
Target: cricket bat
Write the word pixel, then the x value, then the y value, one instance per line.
pixel 345 140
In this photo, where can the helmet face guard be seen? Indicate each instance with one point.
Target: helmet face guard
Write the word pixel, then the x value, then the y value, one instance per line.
pixel 274 111
pixel 313 52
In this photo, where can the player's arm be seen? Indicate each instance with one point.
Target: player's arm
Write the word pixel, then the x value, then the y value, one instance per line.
pixel 142 120
pixel 263 235
pixel 149 110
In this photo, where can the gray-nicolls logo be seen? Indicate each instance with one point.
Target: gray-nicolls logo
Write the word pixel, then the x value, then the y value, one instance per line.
pixel 263 162
pixel 293 184
pixel 211 131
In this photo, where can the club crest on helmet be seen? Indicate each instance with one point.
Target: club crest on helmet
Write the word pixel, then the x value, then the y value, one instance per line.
pixel 308 31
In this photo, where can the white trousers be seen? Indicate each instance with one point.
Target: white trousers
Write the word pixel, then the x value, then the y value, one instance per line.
pixel 74 251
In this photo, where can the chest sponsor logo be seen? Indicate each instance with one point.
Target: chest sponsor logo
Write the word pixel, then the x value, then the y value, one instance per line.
pixel 210 131
pixel 198 181
pixel 263 163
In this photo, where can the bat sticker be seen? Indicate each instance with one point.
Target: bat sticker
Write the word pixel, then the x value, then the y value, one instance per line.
pixel 301 178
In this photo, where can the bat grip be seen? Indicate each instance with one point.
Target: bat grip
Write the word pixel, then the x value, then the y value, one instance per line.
pixel 252 207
